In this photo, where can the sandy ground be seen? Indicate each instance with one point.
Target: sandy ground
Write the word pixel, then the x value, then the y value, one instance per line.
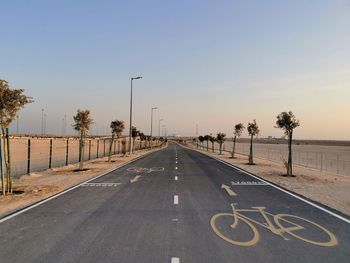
pixel 40 185
pixel 326 188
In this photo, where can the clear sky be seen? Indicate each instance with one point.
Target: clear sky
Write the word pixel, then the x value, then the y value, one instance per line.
pixel 214 63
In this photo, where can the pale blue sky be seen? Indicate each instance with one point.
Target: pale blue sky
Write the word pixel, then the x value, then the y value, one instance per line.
pixel 214 63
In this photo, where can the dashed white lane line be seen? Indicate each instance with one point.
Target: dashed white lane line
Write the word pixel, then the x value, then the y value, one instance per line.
pixel 175 260
pixel 174 219
pixel 176 199
pixel 176 162
pixel 176 178
pixel 175 167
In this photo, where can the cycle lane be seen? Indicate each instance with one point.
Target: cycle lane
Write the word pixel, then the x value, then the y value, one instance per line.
pixel 205 178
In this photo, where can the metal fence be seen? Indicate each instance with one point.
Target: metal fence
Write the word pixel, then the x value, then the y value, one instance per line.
pixel 38 154
pixel 332 159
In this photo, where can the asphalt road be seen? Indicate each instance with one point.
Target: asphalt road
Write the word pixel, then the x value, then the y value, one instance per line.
pixel 179 211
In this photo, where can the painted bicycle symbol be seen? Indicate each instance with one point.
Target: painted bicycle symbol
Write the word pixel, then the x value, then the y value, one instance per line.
pixel 145 170
pixel 295 226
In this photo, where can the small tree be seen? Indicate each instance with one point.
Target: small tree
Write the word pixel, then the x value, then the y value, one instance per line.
pixel 253 130
pixel 206 138
pixel 220 138
pixel 142 138
pixel 236 133
pixel 134 134
pixel 11 101
pixel 212 139
pixel 201 140
pixel 117 129
pixel 287 122
pixel 82 124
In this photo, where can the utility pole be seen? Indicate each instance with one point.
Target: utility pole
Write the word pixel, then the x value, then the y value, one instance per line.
pixel 153 108
pixel 42 122
pixel 17 124
pixel 159 126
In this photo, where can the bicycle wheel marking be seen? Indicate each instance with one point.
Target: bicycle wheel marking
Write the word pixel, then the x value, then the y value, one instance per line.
pixel 248 243
pixel 332 239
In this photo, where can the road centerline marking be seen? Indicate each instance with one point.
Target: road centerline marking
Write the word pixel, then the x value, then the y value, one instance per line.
pixel 176 178
pixel 175 260
pixel 176 199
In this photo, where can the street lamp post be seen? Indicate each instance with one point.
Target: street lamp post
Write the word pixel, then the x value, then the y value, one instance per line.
pixel 130 132
pixel 159 126
pixel 153 108
pixel 42 122
pixel 45 123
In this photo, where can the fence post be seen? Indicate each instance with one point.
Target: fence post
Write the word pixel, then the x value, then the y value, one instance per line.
pixel 98 144
pixel 89 149
pixel 67 151
pixel 337 163
pixel 28 164
pixel 104 147
pixel 50 158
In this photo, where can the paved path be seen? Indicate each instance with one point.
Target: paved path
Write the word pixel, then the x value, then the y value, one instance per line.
pixel 182 208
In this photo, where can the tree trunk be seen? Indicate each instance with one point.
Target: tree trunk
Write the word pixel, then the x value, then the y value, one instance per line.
pixel 220 144
pixel 110 148
pixel 1 166
pixel 289 169
pixel 234 147
pixel 81 151
pixel 5 156
pixel 212 146
pixel 9 175
pixel 207 145
pixel 251 161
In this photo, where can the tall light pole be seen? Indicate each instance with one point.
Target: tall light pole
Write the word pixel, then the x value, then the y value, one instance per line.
pixel 45 123
pixel 65 125
pixel 17 125
pixel 42 122
pixel 153 108
pixel 159 127
pixel 130 132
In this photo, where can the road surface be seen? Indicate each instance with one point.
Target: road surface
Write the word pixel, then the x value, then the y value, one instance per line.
pixel 175 205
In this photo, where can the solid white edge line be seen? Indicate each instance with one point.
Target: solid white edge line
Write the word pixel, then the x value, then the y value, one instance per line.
pixel 281 189
pixel 176 199
pixel 175 260
pixel 70 189
pixel 176 178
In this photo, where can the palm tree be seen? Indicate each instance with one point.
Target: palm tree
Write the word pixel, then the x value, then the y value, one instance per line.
pixel 253 130
pixel 239 127
pixel 134 133
pixel 287 122
pixel 117 129
pixel 11 101
pixel 212 139
pixel 83 121
pixel 220 138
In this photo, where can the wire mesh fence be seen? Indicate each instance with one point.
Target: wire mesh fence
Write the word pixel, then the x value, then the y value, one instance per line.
pixel 332 159
pixel 38 154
